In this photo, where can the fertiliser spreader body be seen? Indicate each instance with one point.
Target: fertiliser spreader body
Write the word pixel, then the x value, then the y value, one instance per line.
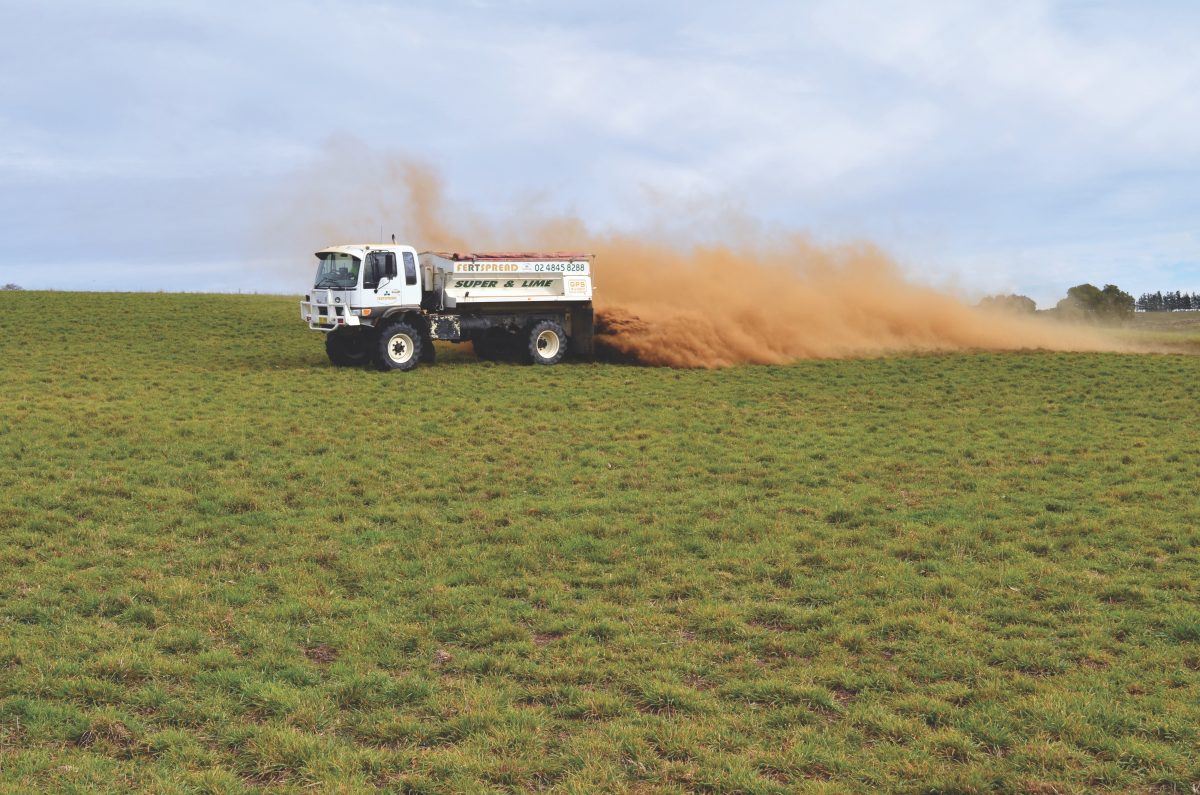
pixel 387 304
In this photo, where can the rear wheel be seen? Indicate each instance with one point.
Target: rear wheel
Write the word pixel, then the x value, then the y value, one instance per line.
pixel 399 347
pixel 547 343
pixel 346 348
pixel 496 345
pixel 485 347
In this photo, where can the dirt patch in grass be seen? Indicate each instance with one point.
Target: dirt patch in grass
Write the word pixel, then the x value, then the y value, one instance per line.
pixel 322 653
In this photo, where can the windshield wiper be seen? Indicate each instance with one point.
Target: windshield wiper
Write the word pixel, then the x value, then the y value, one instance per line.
pixel 322 285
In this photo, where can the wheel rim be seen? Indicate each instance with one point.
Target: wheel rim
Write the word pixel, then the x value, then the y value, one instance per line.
pixel 400 348
pixel 547 344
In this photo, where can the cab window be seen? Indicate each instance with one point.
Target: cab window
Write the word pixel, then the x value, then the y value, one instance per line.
pixel 377 268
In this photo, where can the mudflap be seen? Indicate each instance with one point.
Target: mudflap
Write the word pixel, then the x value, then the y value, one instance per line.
pixel 582 333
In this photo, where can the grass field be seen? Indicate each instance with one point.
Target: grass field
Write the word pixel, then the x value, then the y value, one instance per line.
pixel 228 567
pixel 1173 330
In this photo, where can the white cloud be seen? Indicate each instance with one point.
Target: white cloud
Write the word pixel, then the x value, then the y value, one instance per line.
pixel 978 139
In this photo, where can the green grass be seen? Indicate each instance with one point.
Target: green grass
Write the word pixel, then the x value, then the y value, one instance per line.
pixel 1171 330
pixel 228 567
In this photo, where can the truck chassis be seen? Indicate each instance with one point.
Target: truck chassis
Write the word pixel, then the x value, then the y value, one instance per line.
pixel 538 336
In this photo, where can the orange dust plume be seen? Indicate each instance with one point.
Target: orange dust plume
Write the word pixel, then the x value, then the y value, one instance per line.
pixel 761 298
pixel 775 301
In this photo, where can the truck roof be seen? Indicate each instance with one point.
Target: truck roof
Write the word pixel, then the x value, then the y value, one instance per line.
pixel 510 256
pixel 477 256
pixel 351 247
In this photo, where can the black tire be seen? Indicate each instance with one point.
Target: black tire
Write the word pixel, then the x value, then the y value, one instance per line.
pixel 399 347
pixel 496 345
pixel 346 348
pixel 547 343
pixel 428 352
pixel 482 345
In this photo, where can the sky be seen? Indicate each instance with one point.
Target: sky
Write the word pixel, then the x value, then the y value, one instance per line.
pixel 1023 146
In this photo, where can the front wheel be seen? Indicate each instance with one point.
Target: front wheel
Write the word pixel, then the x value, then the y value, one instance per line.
pixel 399 347
pixel 547 343
pixel 346 348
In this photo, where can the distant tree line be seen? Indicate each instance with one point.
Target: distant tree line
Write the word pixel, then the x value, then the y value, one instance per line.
pixel 1084 302
pixel 1018 304
pixel 1089 302
pixel 11 286
pixel 1168 302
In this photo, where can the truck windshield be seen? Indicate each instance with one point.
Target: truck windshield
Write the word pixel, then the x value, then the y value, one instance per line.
pixel 337 271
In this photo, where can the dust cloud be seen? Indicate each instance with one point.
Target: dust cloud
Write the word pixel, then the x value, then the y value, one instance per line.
pixel 777 301
pixel 763 298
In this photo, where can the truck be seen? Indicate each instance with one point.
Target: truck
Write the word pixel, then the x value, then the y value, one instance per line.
pixel 386 304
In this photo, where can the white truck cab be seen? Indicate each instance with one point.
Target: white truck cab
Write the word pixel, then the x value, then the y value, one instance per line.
pixel 387 304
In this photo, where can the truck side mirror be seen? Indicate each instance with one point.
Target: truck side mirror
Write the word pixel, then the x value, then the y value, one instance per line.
pixel 390 266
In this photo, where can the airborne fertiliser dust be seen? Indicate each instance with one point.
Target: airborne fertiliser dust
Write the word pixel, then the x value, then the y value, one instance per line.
pixel 778 301
pixel 763 299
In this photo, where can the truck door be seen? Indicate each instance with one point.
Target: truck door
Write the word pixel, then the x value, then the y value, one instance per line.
pixel 403 289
